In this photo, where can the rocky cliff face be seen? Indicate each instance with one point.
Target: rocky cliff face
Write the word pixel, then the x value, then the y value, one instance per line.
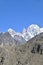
pixel 7 39
pixel 30 53
pixel 11 37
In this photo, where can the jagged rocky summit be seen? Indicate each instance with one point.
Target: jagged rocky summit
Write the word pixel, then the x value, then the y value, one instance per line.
pixel 11 37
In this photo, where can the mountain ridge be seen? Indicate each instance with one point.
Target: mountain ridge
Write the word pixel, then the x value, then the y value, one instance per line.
pixel 30 53
pixel 11 37
pixel 28 33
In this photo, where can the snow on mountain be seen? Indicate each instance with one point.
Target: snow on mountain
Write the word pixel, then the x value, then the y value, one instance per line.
pixel 28 33
pixel 32 31
pixel 41 29
pixel 24 32
pixel 17 36
pixel 13 33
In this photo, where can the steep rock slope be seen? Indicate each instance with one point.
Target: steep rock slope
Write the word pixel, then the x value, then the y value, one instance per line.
pixel 30 53
pixel 7 39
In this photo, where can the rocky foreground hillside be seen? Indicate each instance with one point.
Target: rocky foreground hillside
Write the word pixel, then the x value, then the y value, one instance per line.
pixel 30 53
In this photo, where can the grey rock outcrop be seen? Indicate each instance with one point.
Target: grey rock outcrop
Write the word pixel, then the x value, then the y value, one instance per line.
pixel 6 39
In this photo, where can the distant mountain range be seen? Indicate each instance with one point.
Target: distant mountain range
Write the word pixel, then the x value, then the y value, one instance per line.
pixel 28 33
pixel 11 37
pixel 30 53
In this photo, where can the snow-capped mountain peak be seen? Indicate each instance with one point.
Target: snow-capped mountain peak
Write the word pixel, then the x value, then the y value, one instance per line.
pixel 34 26
pixel 12 32
pixel 16 36
pixel 32 31
pixel 28 33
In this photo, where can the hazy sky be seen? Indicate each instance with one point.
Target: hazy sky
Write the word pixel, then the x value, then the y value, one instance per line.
pixel 17 14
